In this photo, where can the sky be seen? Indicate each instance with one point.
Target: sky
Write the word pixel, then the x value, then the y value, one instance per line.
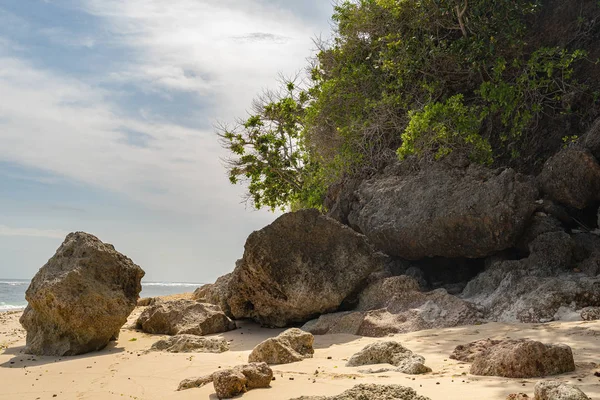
pixel 107 115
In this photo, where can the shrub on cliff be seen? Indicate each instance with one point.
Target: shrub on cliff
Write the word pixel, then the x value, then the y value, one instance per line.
pixel 495 79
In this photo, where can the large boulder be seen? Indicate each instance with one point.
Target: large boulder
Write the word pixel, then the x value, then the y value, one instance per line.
pixel 184 317
pixel 395 305
pixel 441 211
pixel 81 298
pixel 215 293
pixel 539 288
pixel 369 391
pixel 302 265
pixel 571 177
pixel 515 358
pixel 191 344
pixel 288 347
pixel 392 353
pixel 557 391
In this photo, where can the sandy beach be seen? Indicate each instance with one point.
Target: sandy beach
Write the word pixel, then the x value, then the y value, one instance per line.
pixel 126 370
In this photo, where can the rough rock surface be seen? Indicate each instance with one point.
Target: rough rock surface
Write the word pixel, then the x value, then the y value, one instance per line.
pixel 232 382
pixel 372 392
pixel 215 293
pixel 191 344
pixel 536 289
pixel 516 358
pixel 441 211
pixel 590 314
pixel 288 347
pixel 558 391
pixel 81 298
pixel 390 353
pixel 193 383
pixel 402 309
pixel 184 317
pixel 302 265
pixel 591 140
pixel 571 177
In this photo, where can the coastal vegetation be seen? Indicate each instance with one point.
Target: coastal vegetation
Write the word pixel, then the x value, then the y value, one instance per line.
pixel 492 80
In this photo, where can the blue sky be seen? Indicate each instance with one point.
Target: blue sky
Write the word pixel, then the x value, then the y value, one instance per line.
pixel 107 110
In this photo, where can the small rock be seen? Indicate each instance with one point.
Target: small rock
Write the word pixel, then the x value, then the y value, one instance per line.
pixel 558 391
pixel 290 346
pixel 390 353
pixel 192 344
pixel 372 392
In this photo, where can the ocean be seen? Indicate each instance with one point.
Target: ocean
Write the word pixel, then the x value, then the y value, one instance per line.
pixel 12 291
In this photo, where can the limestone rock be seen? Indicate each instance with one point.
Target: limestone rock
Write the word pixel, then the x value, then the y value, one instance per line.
pixel 390 353
pixel 81 298
pixel 372 392
pixel 232 382
pixel 216 293
pixel 558 391
pixel 290 346
pixel 441 211
pixel 590 314
pixel 591 140
pixel 516 358
pixel 191 344
pixel 302 265
pixel 193 383
pixel 537 288
pixel 517 396
pixel 571 177
pixel 184 317
pixel 403 309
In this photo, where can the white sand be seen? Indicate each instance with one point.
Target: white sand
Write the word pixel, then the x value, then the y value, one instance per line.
pixel 125 371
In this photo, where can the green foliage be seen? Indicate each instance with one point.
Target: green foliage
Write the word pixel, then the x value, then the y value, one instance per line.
pixel 520 92
pixel 268 152
pixel 400 78
pixel 442 128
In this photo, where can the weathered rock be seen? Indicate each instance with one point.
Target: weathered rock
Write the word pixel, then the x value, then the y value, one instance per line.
pixel 229 383
pixel 558 391
pixel 184 317
pixel 591 140
pixel 379 293
pixel 447 212
pixel 81 298
pixel 587 253
pixel 195 382
pixel 290 346
pixel 216 293
pixel 539 225
pixel 571 177
pixel 372 392
pixel 191 344
pixel 145 302
pixel 390 353
pixel 403 310
pixel 534 289
pixel 302 265
pixel 232 382
pixel 590 314
pixel 515 358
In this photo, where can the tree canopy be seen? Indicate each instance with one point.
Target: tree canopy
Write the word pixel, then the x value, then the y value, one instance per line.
pixel 411 78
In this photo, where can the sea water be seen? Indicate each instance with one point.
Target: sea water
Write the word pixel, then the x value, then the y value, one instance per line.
pixel 12 291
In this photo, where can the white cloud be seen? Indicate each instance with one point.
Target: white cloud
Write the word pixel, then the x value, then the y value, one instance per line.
pixel 32 232
pixel 227 50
